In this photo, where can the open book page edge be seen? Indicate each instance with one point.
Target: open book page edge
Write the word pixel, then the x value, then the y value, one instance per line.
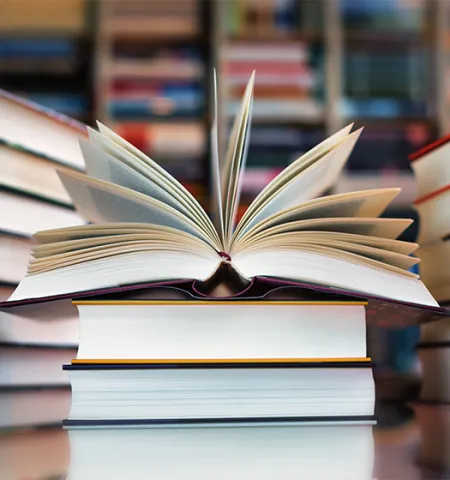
pixel 331 164
pixel 170 180
pixel 312 267
pixel 148 169
pixel 239 166
pixel 73 182
pixel 318 151
pixel 217 207
pixel 238 148
pixel 288 240
pixel 101 165
pixel 371 204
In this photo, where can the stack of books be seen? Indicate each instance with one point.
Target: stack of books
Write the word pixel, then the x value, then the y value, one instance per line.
pixel 223 389
pixel 432 173
pixel 33 342
pixel 270 378
pixel 31 194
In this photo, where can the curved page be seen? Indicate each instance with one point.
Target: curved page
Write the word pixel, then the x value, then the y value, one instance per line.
pixel 126 152
pixel 369 203
pixel 307 184
pixel 293 170
pixel 130 268
pixel 328 269
pixel 100 201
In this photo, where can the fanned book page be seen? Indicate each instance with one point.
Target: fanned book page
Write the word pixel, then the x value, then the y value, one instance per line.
pixel 146 227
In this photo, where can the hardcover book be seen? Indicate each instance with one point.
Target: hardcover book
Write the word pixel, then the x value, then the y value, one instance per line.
pixel 146 228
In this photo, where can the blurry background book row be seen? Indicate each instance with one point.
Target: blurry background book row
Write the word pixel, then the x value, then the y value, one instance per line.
pixel 144 69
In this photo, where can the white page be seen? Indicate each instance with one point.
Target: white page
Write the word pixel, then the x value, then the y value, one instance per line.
pixel 117 143
pixel 368 203
pixel 215 164
pixel 103 166
pixel 389 245
pixel 311 182
pixel 296 241
pixel 103 143
pixel 240 159
pixel 389 228
pixel 291 171
pixel 328 269
pixel 234 158
pixel 100 201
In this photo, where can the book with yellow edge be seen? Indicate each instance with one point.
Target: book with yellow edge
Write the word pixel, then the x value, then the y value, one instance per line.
pixel 190 332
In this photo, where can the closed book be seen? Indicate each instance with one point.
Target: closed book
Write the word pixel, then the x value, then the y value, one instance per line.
pixel 220 331
pixel 33 407
pixel 264 451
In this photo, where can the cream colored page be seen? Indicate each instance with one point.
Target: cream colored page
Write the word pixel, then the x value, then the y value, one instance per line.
pixel 129 268
pixel 339 272
pixel 366 204
pixel 100 201
pixel 153 172
pixel 69 247
pixel 308 184
pixel 389 228
pixel 90 231
pixel 387 244
pixel 295 241
pixel 292 170
pixel 94 253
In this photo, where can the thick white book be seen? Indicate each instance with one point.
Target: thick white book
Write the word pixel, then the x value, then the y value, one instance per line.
pixel 204 331
pixel 263 451
pixel 121 392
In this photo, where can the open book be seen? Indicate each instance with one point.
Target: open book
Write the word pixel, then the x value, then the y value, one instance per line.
pixel 146 227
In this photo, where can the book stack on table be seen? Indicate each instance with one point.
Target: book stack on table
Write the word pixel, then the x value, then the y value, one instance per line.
pixel 221 388
pixel 431 170
pixel 34 392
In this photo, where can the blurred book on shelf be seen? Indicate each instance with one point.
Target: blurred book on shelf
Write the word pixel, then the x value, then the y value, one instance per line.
pixel 385 83
pixel 283 41
pixel 43 16
pixel 155 89
pixel 384 16
pixel 268 37
pixel 274 17
pixel 46 54
pixel 155 18
pixel 28 55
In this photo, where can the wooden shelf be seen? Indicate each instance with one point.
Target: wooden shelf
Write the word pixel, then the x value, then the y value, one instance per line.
pixel 282 39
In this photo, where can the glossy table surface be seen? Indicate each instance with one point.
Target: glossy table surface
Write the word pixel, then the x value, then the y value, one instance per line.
pixel 396 456
pixel 396 453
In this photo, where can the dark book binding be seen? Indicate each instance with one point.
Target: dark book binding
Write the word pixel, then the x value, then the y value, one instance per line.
pixel 214 366
pixel 379 310
pixel 213 421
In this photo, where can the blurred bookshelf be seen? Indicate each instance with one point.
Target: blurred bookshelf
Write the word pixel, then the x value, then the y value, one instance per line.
pixel 153 82
pixel 46 54
pixel 143 67
pixel 321 65
pixel 46 57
